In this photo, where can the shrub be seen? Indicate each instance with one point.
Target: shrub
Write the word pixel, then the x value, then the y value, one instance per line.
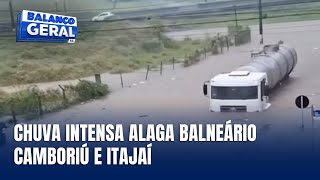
pixel 151 46
pixel 215 49
pixel 187 62
pixel 89 90
pixel 168 43
pixel 187 38
pixel 52 100
pixel 23 102
pixel 192 59
pixel 242 34
pixel 196 42
pixel 26 101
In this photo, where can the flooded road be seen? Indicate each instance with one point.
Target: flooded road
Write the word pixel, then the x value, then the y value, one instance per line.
pixel 176 96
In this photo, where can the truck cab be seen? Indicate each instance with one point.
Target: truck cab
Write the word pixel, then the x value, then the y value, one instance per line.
pixel 242 91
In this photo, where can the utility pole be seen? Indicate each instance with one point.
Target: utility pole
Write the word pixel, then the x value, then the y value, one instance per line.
pixel 236 28
pixel 114 3
pixel 236 15
pixel 64 6
pixel 260 21
pixel 11 15
pixel 56 3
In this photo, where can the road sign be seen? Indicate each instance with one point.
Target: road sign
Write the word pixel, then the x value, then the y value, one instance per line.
pixel 316 114
pixel 302 102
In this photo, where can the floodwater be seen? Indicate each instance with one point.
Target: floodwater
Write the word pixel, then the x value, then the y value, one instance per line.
pixel 176 96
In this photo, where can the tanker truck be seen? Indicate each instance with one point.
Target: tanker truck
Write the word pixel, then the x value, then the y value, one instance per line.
pixel 247 88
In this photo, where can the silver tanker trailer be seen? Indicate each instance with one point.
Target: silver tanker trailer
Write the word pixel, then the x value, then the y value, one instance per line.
pixel 247 88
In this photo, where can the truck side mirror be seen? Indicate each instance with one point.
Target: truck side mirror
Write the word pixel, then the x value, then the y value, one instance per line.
pixel 266 91
pixel 205 88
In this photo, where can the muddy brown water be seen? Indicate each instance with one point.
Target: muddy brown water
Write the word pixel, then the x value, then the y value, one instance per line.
pixel 176 96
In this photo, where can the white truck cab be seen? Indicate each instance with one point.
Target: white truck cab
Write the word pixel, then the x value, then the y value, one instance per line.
pixel 243 91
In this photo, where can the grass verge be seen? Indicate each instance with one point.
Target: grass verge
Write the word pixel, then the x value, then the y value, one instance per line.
pixel 96 52
pixel 32 102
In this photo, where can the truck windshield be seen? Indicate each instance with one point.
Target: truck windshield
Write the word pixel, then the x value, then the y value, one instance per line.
pixel 243 92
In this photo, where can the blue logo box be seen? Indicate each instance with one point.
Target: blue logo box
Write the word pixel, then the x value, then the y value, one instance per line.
pixel 45 27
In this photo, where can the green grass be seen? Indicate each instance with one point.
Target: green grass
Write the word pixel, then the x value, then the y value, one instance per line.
pixel 113 52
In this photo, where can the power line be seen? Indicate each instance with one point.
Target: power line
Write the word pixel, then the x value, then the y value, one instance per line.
pixel 284 3
pixel 194 23
pixel 109 9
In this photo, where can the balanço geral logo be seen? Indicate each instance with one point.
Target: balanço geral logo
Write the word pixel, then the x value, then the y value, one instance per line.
pixel 45 27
